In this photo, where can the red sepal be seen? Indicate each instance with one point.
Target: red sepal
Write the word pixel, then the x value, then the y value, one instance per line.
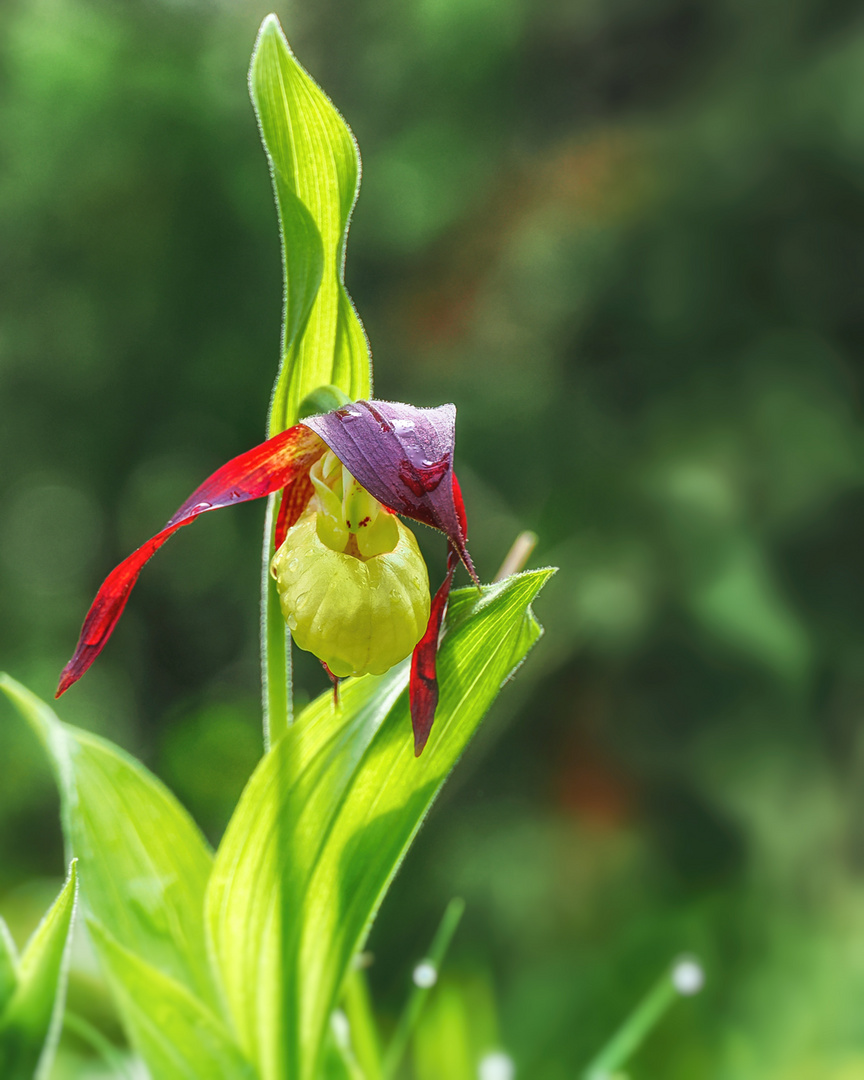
pixel 423 687
pixel 278 463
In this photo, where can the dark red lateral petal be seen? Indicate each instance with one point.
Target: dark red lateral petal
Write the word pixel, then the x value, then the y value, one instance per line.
pixel 334 680
pixel 459 504
pixel 404 457
pixel 280 462
pixel 423 686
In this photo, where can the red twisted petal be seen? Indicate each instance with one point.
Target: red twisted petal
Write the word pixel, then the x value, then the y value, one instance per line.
pixel 278 463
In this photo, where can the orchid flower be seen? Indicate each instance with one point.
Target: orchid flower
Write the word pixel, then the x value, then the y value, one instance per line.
pixel 352 584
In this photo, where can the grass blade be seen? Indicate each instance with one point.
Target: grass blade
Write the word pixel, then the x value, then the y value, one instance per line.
pixel 425 977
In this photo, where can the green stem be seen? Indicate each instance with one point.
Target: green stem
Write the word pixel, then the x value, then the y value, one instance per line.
pixel 275 644
pixel 416 1001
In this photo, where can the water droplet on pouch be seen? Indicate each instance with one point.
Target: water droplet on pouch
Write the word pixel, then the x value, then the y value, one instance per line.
pixel 402 427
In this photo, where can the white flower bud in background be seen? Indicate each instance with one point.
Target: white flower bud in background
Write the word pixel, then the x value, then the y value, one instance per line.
pixel 341 1028
pixel 688 977
pixel 425 974
pixel 496 1066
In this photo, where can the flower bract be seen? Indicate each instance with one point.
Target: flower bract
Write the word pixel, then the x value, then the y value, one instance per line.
pixel 352 583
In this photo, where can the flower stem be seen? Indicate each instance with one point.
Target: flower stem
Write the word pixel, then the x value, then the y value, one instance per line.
pixel 275 644
pixel 518 555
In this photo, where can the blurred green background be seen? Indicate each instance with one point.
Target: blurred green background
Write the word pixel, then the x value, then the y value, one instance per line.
pixel 626 237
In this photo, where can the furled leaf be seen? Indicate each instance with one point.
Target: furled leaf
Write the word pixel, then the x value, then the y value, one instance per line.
pixel 328 817
pixel 316 174
pixel 30 1022
pixel 316 170
pixel 175 1034
pixel 144 864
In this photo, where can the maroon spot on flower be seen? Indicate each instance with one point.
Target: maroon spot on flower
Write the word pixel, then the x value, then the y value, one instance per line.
pixel 421 479
pixel 364 522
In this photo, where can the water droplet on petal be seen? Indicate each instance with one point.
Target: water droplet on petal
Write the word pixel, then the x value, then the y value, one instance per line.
pixel 347 414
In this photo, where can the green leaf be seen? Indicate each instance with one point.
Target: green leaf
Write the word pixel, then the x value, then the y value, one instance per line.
pixel 175 1034
pixel 328 817
pixel 316 172
pixel 30 1023
pixel 144 864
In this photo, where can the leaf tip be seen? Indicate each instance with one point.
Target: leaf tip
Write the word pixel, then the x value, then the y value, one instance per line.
pixel 270 31
pixel 271 25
